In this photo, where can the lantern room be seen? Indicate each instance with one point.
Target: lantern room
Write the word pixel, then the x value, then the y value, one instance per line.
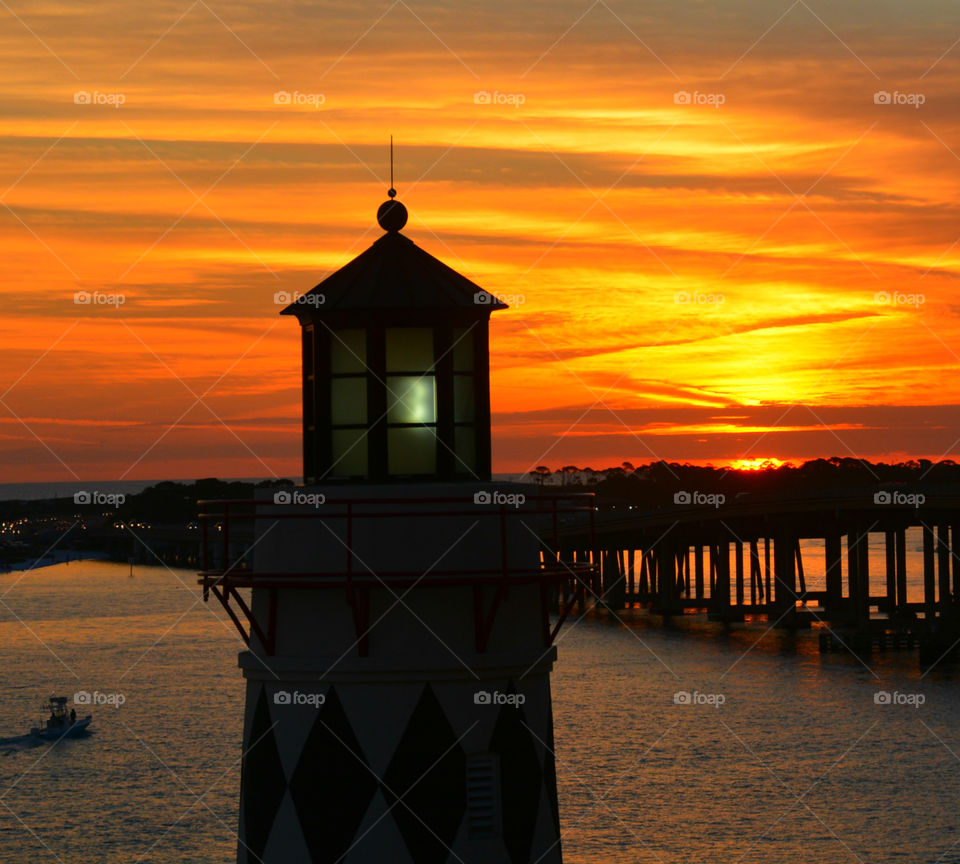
pixel 395 367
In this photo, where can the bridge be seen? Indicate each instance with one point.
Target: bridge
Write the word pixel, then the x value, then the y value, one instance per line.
pixel 741 560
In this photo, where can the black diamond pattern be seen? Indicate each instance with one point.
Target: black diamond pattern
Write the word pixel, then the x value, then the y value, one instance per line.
pixel 264 782
pixel 428 772
pixel 521 780
pixel 331 787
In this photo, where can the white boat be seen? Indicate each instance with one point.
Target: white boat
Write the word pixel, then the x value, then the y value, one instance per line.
pixel 61 723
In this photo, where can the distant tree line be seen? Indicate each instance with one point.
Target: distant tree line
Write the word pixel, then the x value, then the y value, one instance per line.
pixel 656 482
pixel 168 502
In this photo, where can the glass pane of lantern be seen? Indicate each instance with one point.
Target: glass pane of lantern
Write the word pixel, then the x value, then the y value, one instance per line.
pixel 463 398
pixel 349 451
pixel 348 401
pixel 465 448
pixel 463 349
pixel 409 349
pixel 411 399
pixel 348 351
pixel 412 450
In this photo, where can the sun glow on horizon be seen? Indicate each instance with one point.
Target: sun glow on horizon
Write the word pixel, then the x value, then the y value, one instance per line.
pixel 756 464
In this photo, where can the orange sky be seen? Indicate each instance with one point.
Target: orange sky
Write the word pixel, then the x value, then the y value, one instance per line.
pixel 770 276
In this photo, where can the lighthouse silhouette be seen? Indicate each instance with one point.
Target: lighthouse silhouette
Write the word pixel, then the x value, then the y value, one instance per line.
pixel 395 606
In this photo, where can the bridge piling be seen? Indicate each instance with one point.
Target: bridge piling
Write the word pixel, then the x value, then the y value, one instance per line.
pixel 956 568
pixel 720 606
pixel 767 571
pixel 738 551
pixel 666 563
pixel 858 549
pixel 698 570
pixel 943 568
pixel 834 574
pixel 929 584
pixel 785 580
pixel 901 604
pixel 890 548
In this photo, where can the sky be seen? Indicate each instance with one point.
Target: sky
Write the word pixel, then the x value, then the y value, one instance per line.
pixel 725 231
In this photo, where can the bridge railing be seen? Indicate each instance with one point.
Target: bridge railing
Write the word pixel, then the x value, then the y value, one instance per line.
pixel 229 534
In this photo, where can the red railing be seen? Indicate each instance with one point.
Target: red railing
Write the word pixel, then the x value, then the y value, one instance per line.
pixel 233 570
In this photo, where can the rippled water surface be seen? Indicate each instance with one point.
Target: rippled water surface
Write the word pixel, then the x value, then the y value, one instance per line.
pixel 798 763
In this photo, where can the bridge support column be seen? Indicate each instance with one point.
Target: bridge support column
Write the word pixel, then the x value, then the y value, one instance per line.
pixel 785 580
pixel 738 551
pixel 929 582
pixel 943 566
pixel 858 568
pixel 956 567
pixel 890 542
pixel 720 607
pixel 834 574
pixel 612 592
pixel 901 534
pixel 698 569
pixel 767 571
pixel 755 584
pixel 666 564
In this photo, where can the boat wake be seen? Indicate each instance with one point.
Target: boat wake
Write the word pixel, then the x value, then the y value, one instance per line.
pixel 18 742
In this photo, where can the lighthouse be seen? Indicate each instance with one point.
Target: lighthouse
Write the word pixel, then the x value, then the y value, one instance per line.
pixel 395 606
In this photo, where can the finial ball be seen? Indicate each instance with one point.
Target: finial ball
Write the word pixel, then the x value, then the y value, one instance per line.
pixel 392 215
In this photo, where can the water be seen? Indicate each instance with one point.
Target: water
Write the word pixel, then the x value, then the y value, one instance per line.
pixel 159 779
pixel 641 778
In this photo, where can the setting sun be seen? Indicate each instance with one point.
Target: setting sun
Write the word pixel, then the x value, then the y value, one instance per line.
pixel 756 464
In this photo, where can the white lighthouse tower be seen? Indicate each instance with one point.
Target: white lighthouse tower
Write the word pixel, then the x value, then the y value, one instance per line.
pixel 396 605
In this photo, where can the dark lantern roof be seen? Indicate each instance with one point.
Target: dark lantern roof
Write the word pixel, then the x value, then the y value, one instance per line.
pixel 395 273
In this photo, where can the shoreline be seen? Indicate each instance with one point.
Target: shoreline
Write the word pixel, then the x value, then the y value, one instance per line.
pixel 65 556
